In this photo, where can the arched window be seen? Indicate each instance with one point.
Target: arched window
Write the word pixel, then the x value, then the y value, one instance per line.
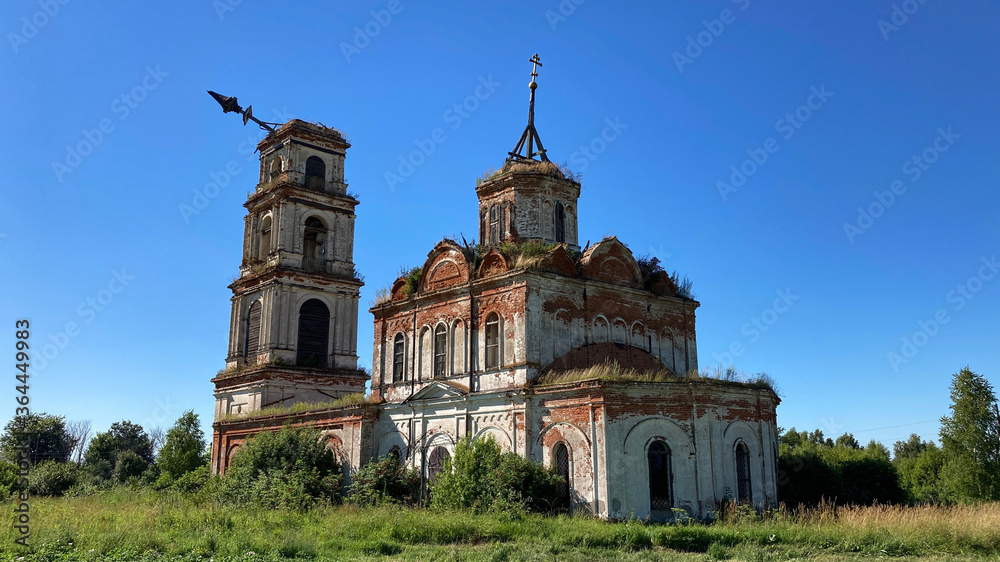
pixel 743 489
pixel 435 463
pixel 560 462
pixel 264 248
pixel 492 341
pixel 252 341
pixel 396 454
pixel 314 333
pixel 315 172
pixel 494 224
pixel 398 357
pixel 659 476
pixel 440 349
pixel 275 170
pixel 560 217
pixel 313 245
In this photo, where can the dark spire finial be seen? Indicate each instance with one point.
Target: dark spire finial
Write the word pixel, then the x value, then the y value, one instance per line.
pixel 229 104
pixel 530 137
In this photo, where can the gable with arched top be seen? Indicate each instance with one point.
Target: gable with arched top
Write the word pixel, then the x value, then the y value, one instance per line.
pixel 612 262
pixel 446 266
pixel 560 262
pixel 493 264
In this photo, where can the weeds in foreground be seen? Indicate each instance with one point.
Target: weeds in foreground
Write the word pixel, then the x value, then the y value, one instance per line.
pixel 146 525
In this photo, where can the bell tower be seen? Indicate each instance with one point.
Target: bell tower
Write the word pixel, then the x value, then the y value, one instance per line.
pixel 529 198
pixel 293 328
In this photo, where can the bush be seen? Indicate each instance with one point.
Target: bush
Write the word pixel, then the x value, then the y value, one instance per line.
pixel 193 481
pixel 483 478
pixel 9 479
pixel 288 468
pixel 385 480
pixel 51 478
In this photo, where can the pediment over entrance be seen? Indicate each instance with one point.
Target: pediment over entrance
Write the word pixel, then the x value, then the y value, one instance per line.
pixel 439 390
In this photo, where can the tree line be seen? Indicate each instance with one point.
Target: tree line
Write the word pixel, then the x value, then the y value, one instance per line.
pixel 964 468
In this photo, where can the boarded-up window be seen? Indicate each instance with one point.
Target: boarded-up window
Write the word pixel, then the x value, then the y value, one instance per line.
pixel 560 218
pixel 494 224
pixel 440 349
pixel 315 172
pixel 560 458
pixel 435 464
pixel 314 333
pixel 398 357
pixel 252 342
pixel 492 341
pixel 659 476
pixel 743 490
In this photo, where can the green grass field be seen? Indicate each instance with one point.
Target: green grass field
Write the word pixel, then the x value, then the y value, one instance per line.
pixel 145 525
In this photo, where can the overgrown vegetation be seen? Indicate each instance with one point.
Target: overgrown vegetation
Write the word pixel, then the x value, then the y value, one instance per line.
pixel 612 371
pixel 289 468
pixel 385 481
pixel 656 279
pixel 532 166
pixel 128 525
pixel 482 478
pixel 298 407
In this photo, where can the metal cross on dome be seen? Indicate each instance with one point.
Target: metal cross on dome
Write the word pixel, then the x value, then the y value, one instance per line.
pixel 530 137
pixel 229 104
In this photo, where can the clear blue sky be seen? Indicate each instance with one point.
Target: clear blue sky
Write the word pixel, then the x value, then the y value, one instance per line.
pixel 687 115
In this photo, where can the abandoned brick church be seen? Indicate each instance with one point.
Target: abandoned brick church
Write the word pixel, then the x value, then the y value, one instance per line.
pixel 572 356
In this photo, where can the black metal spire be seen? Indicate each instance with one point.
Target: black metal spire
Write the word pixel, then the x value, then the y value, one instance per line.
pixel 530 135
pixel 229 104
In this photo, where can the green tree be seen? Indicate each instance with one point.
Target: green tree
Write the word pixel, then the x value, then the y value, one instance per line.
pixel 103 453
pixel 287 468
pixel 847 440
pixel 44 435
pixel 482 478
pixel 970 439
pixel 919 466
pixel 184 448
